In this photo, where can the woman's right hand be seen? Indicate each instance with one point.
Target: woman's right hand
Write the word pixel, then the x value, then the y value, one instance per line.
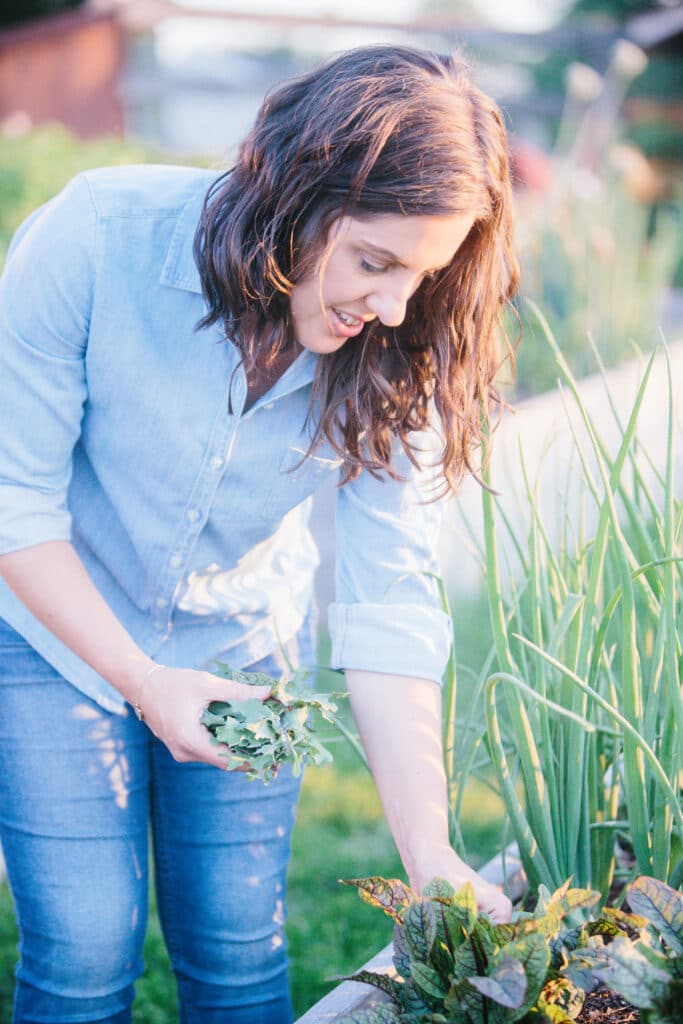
pixel 172 701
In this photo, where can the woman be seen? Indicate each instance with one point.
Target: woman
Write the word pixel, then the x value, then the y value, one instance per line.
pixel 185 359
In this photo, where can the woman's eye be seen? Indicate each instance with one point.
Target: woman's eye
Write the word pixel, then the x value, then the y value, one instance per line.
pixel 370 268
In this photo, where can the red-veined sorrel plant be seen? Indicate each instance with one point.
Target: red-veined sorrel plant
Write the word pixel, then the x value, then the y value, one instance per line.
pixel 584 711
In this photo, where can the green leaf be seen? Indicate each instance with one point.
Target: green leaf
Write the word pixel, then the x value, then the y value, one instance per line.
pixel 264 734
pixel 506 984
pixel 438 889
pixel 450 929
pixel 464 963
pixel 554 1014
pixel 604 927
pixel 214 717
pixel 454 1007
pixel 465 903
pixel 556 907
pixel 381 981
pixel 419 929
pixel 388 893
pixel 411 999
pixel 533 954
pixel 560 995
pixel 229 733
pixel 632 974
pixel 463 998
pixel 626 922
pixel 490 935
pixel 455 917
pixel 662 906
pixel 429 983
pixel 294 719
pixel 441 958
pixel 401 954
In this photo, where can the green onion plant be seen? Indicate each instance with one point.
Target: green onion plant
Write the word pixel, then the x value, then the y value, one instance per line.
pixel 582 691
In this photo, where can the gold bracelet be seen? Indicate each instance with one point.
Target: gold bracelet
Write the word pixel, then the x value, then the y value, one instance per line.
pixel 137 708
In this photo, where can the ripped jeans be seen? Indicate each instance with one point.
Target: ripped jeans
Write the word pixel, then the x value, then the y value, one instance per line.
pixel 79 790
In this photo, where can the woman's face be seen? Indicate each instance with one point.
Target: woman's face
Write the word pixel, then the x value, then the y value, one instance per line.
pixel 369 269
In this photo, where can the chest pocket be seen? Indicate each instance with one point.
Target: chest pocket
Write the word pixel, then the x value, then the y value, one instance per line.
pixel 298 477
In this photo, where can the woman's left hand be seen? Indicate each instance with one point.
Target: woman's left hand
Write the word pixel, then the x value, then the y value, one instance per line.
pixel 445 863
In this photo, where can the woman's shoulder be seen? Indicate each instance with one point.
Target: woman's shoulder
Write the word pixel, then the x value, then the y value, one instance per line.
pixel 145 190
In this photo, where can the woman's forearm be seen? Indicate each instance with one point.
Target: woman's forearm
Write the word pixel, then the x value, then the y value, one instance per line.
pixel 399 720
pixel 52 582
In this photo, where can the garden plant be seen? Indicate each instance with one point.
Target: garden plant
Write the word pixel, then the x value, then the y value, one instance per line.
pixel 454 966
pixel 261 735
pixel 584 719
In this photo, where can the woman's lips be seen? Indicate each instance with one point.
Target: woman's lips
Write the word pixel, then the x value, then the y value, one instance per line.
pixel 343 329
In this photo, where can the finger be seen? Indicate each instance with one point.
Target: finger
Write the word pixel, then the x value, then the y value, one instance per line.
pixel 230 689
pixel 213 752
pixel 208 749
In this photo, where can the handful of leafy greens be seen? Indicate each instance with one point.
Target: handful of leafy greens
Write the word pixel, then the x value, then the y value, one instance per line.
pixel 265 734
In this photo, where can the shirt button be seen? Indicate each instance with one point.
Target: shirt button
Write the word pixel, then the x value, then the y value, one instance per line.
pixel 216 462
pixel 161 602
pixel 175 561
pixel 268 405
pixel 192 515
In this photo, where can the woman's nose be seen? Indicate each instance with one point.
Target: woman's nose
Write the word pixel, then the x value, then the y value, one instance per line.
pixel 389 306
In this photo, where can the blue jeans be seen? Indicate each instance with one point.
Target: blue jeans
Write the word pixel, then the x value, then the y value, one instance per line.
pixel 79 788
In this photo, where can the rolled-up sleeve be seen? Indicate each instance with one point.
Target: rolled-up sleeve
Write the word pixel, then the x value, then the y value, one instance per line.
pixel 387 616
pixel 45 301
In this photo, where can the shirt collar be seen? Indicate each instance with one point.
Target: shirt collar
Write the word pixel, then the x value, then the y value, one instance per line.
pixel 179 269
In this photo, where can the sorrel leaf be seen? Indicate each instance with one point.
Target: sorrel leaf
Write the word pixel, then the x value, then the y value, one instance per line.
pixel 630 972
pixel 381 981
pixel 419 929
pixel 662 906
pixel 532 952
pixel 561 1001
pixel 390 894
pixel 506 984
pixel 429 984
pixel 401 954
pixel 439 889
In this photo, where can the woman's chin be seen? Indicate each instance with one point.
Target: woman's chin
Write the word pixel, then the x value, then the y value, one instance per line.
pixel 323 346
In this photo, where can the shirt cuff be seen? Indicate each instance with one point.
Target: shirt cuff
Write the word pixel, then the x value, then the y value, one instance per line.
pixel 29 518
pixel 404 640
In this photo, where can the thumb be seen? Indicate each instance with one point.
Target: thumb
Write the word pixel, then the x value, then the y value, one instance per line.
pixel 229 689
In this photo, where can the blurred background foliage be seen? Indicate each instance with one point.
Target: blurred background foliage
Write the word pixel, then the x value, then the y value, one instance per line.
pixel 599 232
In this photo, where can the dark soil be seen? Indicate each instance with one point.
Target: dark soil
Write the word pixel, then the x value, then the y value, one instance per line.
pixel 604 1007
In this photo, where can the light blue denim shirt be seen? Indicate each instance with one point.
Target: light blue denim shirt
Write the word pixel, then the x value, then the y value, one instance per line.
pixel 117 433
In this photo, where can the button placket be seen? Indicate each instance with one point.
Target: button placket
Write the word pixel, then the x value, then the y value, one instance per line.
pixel 194 515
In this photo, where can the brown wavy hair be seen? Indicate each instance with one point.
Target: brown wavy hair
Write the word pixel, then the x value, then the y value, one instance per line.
pixel 381 129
